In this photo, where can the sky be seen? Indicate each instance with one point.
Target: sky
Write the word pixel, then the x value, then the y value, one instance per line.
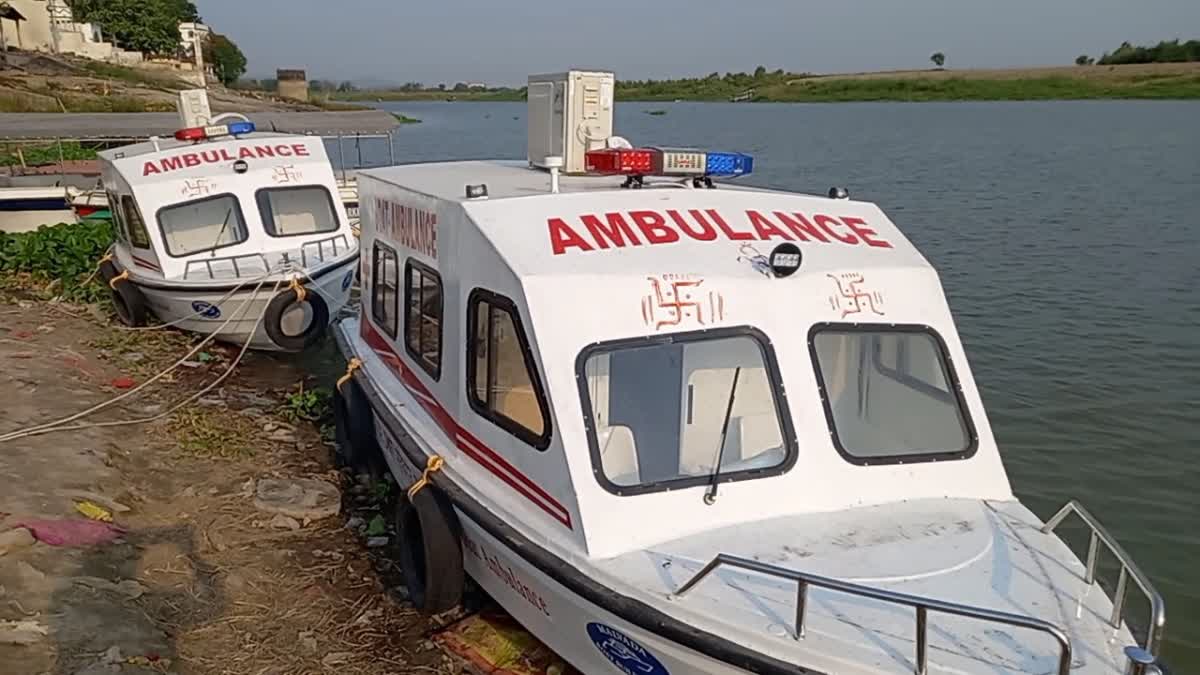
pixel 503 41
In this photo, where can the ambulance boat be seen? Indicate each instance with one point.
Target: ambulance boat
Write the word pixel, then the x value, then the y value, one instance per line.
pixel 681 430
pixel 226 230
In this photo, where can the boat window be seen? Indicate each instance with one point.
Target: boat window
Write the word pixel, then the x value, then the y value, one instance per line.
pixel 385 284
pixel 202 225
pixel 423 318
pixel 135 227
pixel 289 211
pixel 502 382
pixel 114 207
pixel 890 394
pixel 663 412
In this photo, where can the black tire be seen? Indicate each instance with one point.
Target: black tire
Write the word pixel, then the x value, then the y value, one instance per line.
pixel 280 304
pixel 430 551
pixel 354 429
pixel 129 303
pixel 108 271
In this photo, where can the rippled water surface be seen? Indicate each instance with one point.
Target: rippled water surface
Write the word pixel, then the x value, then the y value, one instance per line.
pixel 1067 236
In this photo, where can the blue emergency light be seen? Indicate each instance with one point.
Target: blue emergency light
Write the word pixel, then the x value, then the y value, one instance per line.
pixel 239 128
pixel 728 164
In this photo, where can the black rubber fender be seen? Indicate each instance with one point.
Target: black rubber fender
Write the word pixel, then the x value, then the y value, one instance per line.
pixel 280 304
pixel 430 550
pixel 128 302
pixel 354 430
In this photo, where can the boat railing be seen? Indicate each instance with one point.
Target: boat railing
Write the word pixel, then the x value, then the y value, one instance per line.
pixel 922 606
pixel 238 269
pixel 1129 569
pixel 318 247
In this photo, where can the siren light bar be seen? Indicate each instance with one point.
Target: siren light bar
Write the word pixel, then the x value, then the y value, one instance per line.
pixel 667 162
pixel 214 131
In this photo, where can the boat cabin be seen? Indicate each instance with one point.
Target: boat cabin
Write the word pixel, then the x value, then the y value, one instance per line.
pixel 614 368
pixel 222 202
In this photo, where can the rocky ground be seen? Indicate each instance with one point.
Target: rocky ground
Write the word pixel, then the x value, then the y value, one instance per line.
pixel 205 575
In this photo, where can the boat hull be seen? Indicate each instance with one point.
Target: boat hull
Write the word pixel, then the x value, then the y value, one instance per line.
pixel 25 209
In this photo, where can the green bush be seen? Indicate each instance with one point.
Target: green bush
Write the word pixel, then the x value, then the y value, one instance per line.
pixel 66 253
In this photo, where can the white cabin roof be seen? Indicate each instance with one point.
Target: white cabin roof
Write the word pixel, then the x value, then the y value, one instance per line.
pixel 170 143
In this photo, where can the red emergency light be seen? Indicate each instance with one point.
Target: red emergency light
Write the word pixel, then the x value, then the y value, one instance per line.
pixel 627 161
pixel 191 134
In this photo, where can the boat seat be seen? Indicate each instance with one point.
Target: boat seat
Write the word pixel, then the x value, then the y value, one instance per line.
pixel 618 455
pixel 520 405
pixel 749 437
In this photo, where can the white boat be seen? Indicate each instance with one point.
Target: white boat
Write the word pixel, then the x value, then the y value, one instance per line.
pixel 26 208
pixel 676 430
pixel 227 230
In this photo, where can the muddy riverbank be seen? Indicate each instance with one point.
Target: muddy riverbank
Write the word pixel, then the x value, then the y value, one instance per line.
pixel 198 579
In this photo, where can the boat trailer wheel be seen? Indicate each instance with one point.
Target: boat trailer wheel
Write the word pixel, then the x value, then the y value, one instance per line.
pixel 278 308
pixel 430 550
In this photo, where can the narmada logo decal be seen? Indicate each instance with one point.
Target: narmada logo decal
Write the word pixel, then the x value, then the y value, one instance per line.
pixel 678 298
pixel 853 297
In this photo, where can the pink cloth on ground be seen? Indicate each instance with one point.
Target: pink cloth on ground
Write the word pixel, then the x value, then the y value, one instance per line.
pixel 73 532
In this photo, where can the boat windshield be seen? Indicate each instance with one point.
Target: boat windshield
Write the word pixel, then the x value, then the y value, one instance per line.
pixel 890 394
pixel 657 409
pixel 289 211
pixel 202 225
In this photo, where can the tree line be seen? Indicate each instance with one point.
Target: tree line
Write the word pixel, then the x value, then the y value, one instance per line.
pixel 1167 51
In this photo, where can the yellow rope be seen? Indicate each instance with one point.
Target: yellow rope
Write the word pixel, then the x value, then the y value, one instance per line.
pixel 120 277
pixel 104 259
pixel 301 292
pixel 356 230
pixel 354 364
pixel 434 465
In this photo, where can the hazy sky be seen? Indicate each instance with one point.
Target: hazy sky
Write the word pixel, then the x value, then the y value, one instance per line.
pixel 501 41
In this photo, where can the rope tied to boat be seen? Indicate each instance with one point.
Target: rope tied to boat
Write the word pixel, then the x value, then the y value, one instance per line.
pixel 354 364
pixel 301 291
pixel 356 231
pixel 99 263
pixel 432 466
pixel 112 283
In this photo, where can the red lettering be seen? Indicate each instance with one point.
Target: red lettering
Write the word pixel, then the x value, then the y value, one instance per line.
pixel 171 164
pixel 654 226
pixel 283 150
pixel 732 234
pixel 616 232
pixel 800 226
pixel 825 222
pixel 264 151
pixel 245 152
pixel 706 233
pixel 226 156
pixel 765 228
pixel 563 237
pixel 149 168
pixel 191 159
pixel 215 156
pixel 859 227
pixel 300 149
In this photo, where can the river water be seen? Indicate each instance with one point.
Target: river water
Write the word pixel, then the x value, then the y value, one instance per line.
pixel 1067 235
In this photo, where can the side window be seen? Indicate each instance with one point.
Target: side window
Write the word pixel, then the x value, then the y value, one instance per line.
pixel 502 382
pixel 135 227
pixel 423 316
pixel 384 288
pixel 114 207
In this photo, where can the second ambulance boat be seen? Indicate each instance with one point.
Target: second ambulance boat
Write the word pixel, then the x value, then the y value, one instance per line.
pixel 678 430
pixel 223 229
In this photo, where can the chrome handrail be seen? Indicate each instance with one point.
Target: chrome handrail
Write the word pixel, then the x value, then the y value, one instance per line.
pixel 232 259
pixel 1158 616
pixel 320 244
pixel 922 606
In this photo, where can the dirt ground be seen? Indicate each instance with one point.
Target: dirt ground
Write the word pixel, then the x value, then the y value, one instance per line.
pixel 201 581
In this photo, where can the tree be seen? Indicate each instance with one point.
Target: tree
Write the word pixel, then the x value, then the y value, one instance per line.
pixel 346 87
pixel 938 58
pixel 1084 60
pixel 227 61
pixel 150 26
pixel 460 86
pixel 760 72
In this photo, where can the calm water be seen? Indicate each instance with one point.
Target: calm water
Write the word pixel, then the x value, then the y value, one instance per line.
pixel 1068 240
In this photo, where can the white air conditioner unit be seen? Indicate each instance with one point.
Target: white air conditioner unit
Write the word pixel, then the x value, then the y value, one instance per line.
pixel 569 114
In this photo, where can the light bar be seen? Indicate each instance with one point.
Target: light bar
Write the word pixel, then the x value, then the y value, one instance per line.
pixel 631 161
pixel 675 162
pixel 728 164
pixel 214 131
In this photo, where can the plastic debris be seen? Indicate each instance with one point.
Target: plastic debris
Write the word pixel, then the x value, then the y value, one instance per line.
pixel 94 511
pixel 299 498
pixel 123 383
pixel 496 644
pixel 72 532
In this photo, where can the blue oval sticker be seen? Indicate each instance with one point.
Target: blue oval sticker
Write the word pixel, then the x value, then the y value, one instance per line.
pixel 627 655
pixel 347 280
pixel 206 310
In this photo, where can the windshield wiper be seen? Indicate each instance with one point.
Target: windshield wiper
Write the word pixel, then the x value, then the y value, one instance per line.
pixel 221 233
pixel 711 495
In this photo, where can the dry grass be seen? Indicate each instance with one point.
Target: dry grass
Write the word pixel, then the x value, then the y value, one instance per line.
pixel 1118 73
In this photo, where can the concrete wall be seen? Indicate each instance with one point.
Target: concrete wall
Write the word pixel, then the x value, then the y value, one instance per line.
pixel 292 84
pixel 73 38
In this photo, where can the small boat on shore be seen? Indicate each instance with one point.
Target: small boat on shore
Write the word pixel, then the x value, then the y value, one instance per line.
pixel 26 208
pixel 227 230
pixel 675 426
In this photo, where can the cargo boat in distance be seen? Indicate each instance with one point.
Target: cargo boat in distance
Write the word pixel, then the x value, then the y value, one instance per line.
pixel 675 426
